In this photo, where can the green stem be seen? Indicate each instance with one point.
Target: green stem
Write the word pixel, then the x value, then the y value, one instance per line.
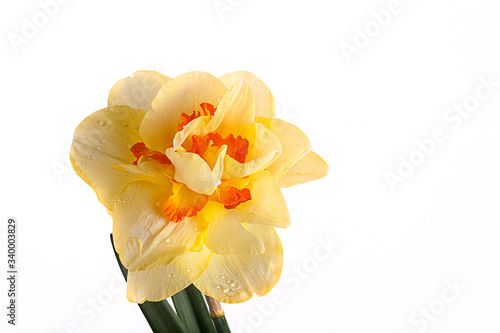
pixel 217 315
pixel 160 315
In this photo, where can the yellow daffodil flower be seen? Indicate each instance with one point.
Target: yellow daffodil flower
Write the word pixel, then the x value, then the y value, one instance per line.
pixel 190 169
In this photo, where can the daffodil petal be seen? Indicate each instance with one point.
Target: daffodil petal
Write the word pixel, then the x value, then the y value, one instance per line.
pixel 102 140
pixel 308 168
pixel 159 283
pixel 178 96
pixel 236 278
pixel 267 205
pixel 265 149
pixel 192 170
pixel 225 234
pixel 294 144
pixel 196 127
pixel 147 170
pixel 137 91
pixel 264 100
pixel 143 234
pixel 137 218
pixel 237 109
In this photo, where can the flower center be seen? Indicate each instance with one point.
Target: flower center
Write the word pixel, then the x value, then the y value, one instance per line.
pixel 237 148
pixel 208 110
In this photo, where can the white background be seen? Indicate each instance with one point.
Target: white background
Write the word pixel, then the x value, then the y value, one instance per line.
pixel 397 249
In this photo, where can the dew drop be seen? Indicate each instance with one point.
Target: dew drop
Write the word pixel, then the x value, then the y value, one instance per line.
pixel 227 291
pixel 84 163
pixel 125 124
pixel 235 284
pixel 103 123
pixel 189 270
pixel 171 275
pixel 218 287
pixel 97 147
pixel 169 241
pixel 90 157
pixel 129 198
pixel 222 277
pixel 217 276
pixel 118 200
pixel 196 229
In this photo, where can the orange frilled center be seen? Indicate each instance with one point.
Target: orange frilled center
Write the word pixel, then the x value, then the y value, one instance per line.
pixel 184 202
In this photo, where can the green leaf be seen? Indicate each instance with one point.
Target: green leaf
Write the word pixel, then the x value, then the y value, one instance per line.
pixel 200 309
pixel 185 311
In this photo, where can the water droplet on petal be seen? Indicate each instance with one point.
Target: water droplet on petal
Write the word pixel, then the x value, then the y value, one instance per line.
pixel 118 200
pixel 169 241
pixel 97 147
pixel 222 277
pixel 171 275
pixel 125 124
pixel 189 270
pixel 196 229
pixel 84 163
pixel 103 123
pixel 217 276
pixel 218 287
pixel 227 291
pixel 235 285
pixel 129 198
pixel 90 157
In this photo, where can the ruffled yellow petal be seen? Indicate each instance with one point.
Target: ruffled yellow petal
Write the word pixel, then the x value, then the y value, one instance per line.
pixel 235 278
pixel 308 168
pixel 192 170
pixel 225 234
pixel 236 110
pixel 264 149
pixel 144 236
pixel 264 100
pixel 294 144
pixel 137 91
pixel 267 205
pixel 181 95
pixel 159 283
pixel 101 141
